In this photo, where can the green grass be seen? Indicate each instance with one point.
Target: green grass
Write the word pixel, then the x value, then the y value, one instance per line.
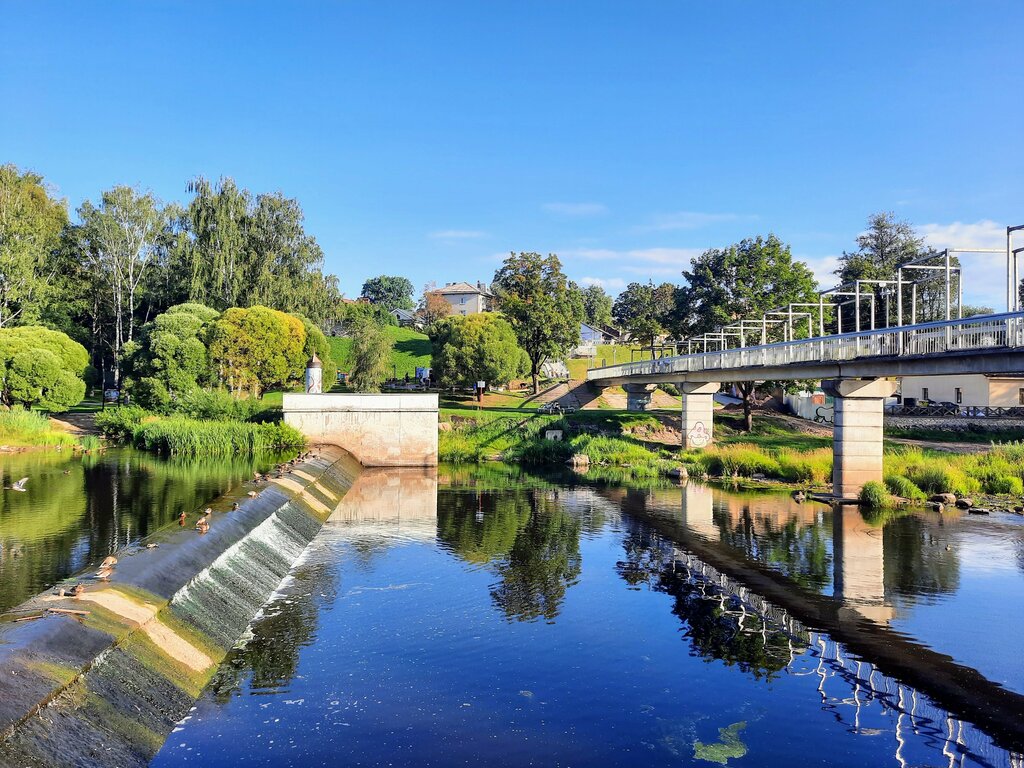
pixel 607 354
pixel 410 349
pixel 23 429
pixel 188 437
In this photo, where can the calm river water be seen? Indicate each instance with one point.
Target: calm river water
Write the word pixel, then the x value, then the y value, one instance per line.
pixel 78 509
pixel 492 618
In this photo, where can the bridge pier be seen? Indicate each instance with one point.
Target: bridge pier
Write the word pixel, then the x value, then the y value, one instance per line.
pixel 698 413
pixel 857 440
pixel 638 396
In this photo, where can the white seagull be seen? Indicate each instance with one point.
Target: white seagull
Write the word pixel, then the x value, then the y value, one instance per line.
pixel 18 486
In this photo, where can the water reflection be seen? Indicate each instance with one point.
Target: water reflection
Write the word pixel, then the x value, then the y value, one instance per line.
pixel 78 509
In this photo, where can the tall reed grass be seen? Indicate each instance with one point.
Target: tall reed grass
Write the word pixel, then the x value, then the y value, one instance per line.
pixel 189 437
pixel 21 428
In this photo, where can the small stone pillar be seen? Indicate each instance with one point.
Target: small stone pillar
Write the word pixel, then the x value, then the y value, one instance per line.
pixel 857 439
pixel 314 376
pixel 638 396
pixel 698 413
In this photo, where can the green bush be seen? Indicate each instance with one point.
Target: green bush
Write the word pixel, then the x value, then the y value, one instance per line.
pixel 121 422
pixel 904 487
pixel 188 437
pixel 874 495
pixel 1005 484
pixel 216 405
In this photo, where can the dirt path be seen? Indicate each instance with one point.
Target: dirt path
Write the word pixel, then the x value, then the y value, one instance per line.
pixel 77 423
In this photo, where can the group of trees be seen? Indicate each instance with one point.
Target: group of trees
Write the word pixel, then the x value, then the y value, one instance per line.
pixel 245 350
pixel 41 368
pixel 127 258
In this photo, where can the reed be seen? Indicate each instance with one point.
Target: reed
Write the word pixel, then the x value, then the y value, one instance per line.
pixel 189 437
pixel 21 428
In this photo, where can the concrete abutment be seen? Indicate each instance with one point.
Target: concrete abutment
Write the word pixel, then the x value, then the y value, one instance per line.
pixel 857 438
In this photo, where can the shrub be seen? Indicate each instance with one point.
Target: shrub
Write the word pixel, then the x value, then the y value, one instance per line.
pixel 1007 484
pixel 814 467
pixel 216 405
pixel 120 423
pixel 874 495
pixel 904 487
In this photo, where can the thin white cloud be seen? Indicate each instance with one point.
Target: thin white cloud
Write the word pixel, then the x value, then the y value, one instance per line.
pixel 823 267
pixel 669 257
pixel 457 234
pixel 984 273
pixel 687 220
pixel 577 210
pixel 980 234
pixel 611 284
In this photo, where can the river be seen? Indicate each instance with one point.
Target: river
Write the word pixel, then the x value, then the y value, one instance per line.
pixel 495 617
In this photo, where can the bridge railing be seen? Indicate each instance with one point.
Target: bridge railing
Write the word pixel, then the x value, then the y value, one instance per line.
pixel 972 333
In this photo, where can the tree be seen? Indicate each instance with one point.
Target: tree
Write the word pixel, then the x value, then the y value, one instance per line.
pixel 316 343
pixel 119 237
pixel 645 310
pixel 389 291
pixel 471 348
pixel 743 281
pixel 40 367
pixel 544 309
pixel 257 348
pixel 432 307
pixel 30 226
pixel 371 356
pixel 170 358
pixel 887 243
pixel 597 306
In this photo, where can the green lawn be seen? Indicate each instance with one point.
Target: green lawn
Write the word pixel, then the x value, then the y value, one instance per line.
pixel 607 354
pixel 410 349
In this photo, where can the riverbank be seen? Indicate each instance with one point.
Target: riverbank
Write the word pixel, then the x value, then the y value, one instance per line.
pixel 117 666
pixel 777 452
pixel 22 430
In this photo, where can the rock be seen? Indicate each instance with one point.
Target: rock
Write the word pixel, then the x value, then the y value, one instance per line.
pixel 757 476
pixel 679 473
pixel 943 498
pixel 579 460
pixel 444 426
pixel 799 496
pixel 938 506
pixel 1019 510
pixel 977 511
pixel 965 503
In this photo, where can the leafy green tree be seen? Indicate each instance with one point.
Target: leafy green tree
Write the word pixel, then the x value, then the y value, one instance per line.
pixel 597 306
pixel 389 291
pixel 41 367
pixel 432 306
pixel 645 310
pixel 471 348
pixel 543 307
pixel 30 226
pixel 170 358
pixel 745 280
pixel 370 356
pixel 257 348
pixel 119 238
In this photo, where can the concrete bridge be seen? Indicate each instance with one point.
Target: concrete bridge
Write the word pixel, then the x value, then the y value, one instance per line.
pixel 858 369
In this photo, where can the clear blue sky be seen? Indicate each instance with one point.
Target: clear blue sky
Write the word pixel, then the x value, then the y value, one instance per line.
pixel 429 138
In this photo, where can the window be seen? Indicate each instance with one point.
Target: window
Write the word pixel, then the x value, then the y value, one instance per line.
pixel 462 299
pixel 1020 396
pixel 924 393
pixel 959 393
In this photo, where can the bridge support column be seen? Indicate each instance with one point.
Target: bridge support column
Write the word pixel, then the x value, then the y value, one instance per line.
pixel 638 396
pixel 857 440
pixel 698 413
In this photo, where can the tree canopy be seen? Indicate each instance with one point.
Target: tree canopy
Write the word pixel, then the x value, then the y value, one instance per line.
pixel 597 306
pixel 645 310
pixel 257 348
pixel 543 307
pixel 471 348
pixel 389 291
pixel 371 356
pixel 40 367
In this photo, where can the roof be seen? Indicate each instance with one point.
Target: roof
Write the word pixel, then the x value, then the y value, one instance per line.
pixel 403 314
pixel 483 290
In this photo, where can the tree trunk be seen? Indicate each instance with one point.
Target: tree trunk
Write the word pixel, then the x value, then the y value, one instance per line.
pixel 746 390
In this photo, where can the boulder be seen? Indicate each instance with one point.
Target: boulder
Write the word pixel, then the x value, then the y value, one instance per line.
pixel 943 498
pixel 965 503
pixel 579 460
pixel 938 506
pixel 679 473
pixel 444 426
pixel 757 476
pixel 977 511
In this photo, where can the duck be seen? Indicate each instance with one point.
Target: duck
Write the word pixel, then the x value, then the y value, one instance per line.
pixel 235 506
pixel 181 519
pixel 202 526
pixel 253 494
pixel 108 562
pixel 799 496
pixel 18 486
pixel 208 511
pixel 77 590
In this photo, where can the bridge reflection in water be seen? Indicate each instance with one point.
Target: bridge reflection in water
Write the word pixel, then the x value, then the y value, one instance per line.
pixel 872 679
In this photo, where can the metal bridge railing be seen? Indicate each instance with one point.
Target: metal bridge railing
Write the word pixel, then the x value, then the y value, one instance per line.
pixel 982 332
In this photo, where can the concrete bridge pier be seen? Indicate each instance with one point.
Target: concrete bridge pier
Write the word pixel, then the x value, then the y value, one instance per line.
pixel 857 440
pixel 638 396
pixel 698 413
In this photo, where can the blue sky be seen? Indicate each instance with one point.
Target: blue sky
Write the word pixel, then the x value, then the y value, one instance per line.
pixel 430 139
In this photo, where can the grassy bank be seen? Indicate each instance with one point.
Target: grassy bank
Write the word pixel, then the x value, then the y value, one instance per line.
pixel 30 429
pixel 180 436
pixel 409 349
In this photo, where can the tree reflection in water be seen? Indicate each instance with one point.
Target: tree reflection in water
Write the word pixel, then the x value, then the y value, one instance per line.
pixel 718 626
pixel 526 537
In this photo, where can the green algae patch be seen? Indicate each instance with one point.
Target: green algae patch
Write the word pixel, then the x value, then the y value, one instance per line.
pixel 726 748
pixel 52 670
pixel 104 714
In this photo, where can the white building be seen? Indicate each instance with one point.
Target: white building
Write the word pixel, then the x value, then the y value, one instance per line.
pixel 973 389
pixel 466 299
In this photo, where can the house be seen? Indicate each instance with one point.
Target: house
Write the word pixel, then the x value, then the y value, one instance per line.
pixel 973 389
pixel 405 318
pixel 466 299
pixel 590 337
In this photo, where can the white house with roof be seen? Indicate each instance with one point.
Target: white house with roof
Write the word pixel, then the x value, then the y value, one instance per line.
pixel 467 299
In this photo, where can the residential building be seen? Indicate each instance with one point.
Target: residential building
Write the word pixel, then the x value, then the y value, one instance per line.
pixel 405 318
pixel 466 299
pixel 974 389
